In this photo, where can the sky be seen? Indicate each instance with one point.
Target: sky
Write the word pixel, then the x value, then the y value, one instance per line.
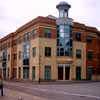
pixel 15 13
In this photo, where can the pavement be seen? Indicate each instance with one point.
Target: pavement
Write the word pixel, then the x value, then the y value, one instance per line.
pixel 16 95
pixel 29 91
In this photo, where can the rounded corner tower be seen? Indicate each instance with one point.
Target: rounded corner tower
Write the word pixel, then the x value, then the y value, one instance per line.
pixel 64 27
pixel 63 8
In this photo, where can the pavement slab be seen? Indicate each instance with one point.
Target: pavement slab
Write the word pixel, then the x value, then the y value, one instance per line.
pixel 28 91
pixel 16 95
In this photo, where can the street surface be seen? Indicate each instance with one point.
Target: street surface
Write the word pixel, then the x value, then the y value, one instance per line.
pixel 29 91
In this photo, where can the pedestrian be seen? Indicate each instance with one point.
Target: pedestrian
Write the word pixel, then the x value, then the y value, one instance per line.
pixel 1 85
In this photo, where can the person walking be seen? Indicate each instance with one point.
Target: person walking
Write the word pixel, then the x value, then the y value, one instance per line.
pixel 1 85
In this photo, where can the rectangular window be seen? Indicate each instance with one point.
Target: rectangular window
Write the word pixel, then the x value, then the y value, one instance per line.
pixel 19 73
pixel 90 55
pixel 33 73
pixel 78 36
pixel 27 36
pixel 47 72
pixel 26 61
pixel 47 51
pixel 8 57
pixel 14 56
pixel 34 51
pixel 47 33
pixel 19 54
pixel 25 72
pixel 34 33
pixel 78 53
pixel 89 39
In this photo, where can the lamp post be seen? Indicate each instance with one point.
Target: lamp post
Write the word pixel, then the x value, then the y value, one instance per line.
pixel 39 68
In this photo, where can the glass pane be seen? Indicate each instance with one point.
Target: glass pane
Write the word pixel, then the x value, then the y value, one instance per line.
pixel 61 13
pixel 61 28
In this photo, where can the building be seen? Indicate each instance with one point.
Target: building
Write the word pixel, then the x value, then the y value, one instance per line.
pixel 50 48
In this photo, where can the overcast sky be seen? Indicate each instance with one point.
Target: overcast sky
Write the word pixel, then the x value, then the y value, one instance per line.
pixel 15 13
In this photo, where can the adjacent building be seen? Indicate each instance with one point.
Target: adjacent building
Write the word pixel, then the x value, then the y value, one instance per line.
pixel 50 48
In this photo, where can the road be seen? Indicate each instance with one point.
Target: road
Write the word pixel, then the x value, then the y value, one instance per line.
pixel 86 91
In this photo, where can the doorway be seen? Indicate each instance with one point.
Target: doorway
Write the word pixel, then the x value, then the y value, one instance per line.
pixel 90 73
pixel 67 73
pixel 60 73
pixel 26 73
pixel 47 72
pixel 33 73
pixel 78 73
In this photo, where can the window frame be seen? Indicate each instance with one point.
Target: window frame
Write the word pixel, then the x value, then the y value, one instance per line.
pixel 78 53
pixel 90 57
pixel 33 51
pixel 78 36
pixel 48 51
pixel 47 33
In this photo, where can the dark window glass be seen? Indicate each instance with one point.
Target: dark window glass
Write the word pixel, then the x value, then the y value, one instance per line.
pixel 61 51
pixel 8 57
pixel 78 53
pixel 19 54
pixel 26 62
pixel 14 56
pixel 89 39
pixel 90 55
pixel 19 72
pixel 47 51
pixel 25 72
pixel 34 33
pixel 78 36
pixel 33 73
pixel 34 52
pixel 47 33
pixel 47 72
pixel 27 36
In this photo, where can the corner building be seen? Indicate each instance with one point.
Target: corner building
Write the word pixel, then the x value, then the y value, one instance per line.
pixel 50 48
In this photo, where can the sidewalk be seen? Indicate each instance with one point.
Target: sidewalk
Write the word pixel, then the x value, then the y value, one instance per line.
pixel 15 95
pixel 53 82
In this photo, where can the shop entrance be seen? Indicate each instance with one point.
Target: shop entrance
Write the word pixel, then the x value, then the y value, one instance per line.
pixel 63 71
pixel 78 73
pixel 60 72
pixel 67 73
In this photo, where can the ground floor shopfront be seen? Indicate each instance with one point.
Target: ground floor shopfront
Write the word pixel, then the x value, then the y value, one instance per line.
pixel 48 72
pixel 62 72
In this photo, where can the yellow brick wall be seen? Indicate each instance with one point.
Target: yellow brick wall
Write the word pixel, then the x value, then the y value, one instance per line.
pixel 79 62
pixel 43 42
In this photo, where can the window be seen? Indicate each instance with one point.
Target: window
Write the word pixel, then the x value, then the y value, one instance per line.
pixel 47 51
pixel 27 36
pixel 89 39
pixel 19 72
pixel 34 33
pixel 47 72
pixel 78 53
pixel 78 36
pixel 25 72
pixel 8 57
pixel 33 73
pixel 34 51
pixel 64 40
pixel 61 13
pixel 14 56
pixel 19 39
pixel 90 55
pixel 19 54
pixel 47 33
pixel 26 61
